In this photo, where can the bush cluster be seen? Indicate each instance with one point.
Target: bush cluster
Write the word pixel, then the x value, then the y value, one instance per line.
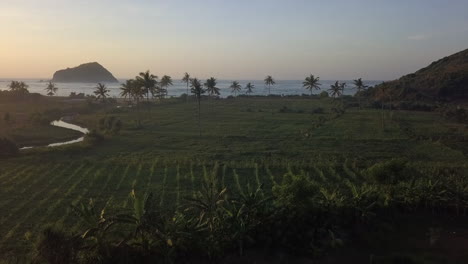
pixel 110 125
pixel 8 148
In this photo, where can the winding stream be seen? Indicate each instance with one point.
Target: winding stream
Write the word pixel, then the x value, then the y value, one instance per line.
pixel 63 124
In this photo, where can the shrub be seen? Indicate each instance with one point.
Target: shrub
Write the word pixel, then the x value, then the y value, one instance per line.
pixel 323 94
pixel 295 192
pixel 416 106
pixel 55 246
pixel 284 109
pixel 93 137
pixel 6 118
pixel 74 95
pixel 318 110
pixel 8 148
pixel 110 125
pixel 391 172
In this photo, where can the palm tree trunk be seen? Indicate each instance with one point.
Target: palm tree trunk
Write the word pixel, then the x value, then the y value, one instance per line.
pixel 383 116
pixel 199 113
pixel 186 98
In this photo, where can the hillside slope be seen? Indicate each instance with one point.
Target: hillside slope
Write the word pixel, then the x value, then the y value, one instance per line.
pixel 445 79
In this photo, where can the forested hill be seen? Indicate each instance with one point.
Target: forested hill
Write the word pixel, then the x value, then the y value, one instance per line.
pixel 445 79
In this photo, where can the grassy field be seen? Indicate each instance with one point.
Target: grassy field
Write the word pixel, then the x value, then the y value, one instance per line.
pixel 244 141
pixel 26 121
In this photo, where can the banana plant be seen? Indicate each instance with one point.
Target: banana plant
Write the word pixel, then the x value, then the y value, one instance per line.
pixel 362 200
pixel 97 226
pixel 245 214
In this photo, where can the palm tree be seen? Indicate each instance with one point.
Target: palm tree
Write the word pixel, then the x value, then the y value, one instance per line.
pixel 342 87
pixel 235 87
pixel 311 83
pixel 336 90
pixel 197 90
pixel 211 88
pixel 359 85
pixel 16 86
pixel 269 82
pixel 134 90
pixel 186 80
pixel 165 82
pixel 148 82
pixel 51 89
pixel 249 87
pixel 101 92
pixel 127 89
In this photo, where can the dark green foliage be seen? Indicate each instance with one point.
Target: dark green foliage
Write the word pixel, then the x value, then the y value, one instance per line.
pixel 18 95
pixel 285 109
pixel 318 110
pixel 391 172
pixel 110 125
pixel 458 114
pixel 307 214
pixel 93 137
pixel 324 94
pixel 6 118
pixel 46 117
pixel 74 95
pixel 416 106
pixel 8 148
pixel 18 87
pixel 55 246
pixel 295 192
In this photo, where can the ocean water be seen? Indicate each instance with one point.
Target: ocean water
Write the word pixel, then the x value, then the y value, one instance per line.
pixel 282 87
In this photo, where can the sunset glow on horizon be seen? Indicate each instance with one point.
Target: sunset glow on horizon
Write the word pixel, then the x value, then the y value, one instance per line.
pixel 235 39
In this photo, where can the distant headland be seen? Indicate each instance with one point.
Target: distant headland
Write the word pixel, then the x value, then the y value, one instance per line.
pixel 92 72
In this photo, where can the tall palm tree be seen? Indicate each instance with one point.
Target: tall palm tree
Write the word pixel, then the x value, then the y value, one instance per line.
pixel 343 86
pixel 311 83
pixel 198 91
pixel 249 87
pixel 101 92
pixel 235 87
pixel 269 81
pixel 211 88
pixel 186 80
pixel 336 89
pixel 360 86
pixel 127 89
pixel 148 82
pixel 165 82
pixel 51 89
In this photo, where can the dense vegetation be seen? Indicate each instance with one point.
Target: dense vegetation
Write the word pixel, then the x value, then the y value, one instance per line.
pixel 294 147
pixel 309 211
pixel 445 79
pixel 234 179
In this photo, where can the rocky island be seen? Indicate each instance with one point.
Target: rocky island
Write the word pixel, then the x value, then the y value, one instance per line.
pixel 92 72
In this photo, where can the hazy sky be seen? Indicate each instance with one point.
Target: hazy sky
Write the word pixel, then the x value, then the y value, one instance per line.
pixel 231 39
